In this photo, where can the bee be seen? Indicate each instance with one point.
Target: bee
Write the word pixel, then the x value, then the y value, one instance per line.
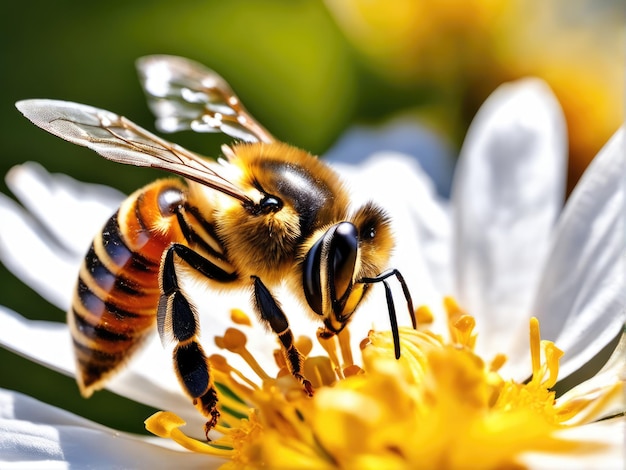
pixel 264 215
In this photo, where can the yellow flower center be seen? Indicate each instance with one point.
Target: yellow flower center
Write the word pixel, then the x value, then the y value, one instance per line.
pixel 439 406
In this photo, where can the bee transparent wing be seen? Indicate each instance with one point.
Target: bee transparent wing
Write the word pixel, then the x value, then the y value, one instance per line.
pixel 120 140
pixel 184 94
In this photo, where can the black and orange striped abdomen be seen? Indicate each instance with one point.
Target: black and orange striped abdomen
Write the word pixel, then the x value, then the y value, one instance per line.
pixel 117 293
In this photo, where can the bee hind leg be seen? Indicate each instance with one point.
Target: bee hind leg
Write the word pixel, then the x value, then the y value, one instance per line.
pixel 177 320
pixel 193 371
pixel 272 315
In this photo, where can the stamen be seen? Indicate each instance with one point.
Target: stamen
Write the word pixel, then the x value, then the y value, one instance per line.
pixel 553 356
pixel 452 308
pixel 497 362
pixel 463 328
pixel 535 346
pixel 454 313
pixel 330 346
pixel 345 347
pixel 219 363
pixel 235 341
pixel 166 424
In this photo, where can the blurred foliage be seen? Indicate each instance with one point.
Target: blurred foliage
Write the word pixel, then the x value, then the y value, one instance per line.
pixel 306 72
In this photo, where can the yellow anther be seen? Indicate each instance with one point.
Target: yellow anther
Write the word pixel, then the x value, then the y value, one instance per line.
pixel 497 362
pixel 553 356
pixel 463 328
pixel 424 315
pixel 218 362
pixel 239 317
pixel 165 424
pixel 304 345
pixel 234 340
pixel 352 370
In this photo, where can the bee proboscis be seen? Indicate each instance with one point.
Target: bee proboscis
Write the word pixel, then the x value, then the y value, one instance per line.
pixel 272 214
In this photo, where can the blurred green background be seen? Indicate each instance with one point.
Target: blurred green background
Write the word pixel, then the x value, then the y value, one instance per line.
pixel 307 70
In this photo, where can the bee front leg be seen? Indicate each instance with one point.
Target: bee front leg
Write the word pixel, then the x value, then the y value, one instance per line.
pixel 178 322
pixel 272 315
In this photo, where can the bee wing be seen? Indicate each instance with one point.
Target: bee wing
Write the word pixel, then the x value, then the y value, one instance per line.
pixel 184 94
pixel 120 140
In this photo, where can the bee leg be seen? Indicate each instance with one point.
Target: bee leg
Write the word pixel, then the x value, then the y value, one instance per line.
pixel 193 371
pixel 177 320
pixel 272 315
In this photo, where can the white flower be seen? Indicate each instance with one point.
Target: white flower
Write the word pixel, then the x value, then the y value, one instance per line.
pixel 502 245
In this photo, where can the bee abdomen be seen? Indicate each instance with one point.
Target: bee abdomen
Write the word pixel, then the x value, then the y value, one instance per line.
pixel 117 292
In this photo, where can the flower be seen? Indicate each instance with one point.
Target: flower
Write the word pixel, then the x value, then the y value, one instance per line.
pixel 502 246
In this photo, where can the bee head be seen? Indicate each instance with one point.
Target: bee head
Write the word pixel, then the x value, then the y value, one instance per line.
pixel 339 257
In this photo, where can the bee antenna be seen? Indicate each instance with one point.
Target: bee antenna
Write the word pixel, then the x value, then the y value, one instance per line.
pixel 393 320
pixel 390 305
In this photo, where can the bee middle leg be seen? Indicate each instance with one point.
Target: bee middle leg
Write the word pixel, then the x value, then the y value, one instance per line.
pixel 177 320
pixel 272 315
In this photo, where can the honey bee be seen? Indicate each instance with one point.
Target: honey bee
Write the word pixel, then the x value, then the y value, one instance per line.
pixel 264 215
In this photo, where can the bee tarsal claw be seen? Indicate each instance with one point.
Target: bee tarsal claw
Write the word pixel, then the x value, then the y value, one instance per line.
pixel 308 388
pixel 209 425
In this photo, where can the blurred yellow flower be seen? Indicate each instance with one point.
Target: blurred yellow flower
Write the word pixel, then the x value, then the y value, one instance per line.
pixel 457 52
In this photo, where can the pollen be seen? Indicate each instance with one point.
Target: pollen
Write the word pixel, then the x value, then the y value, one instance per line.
pixel 439 405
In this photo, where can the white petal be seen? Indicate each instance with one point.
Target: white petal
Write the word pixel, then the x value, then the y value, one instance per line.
pixel 34 257
pixel 581 302
pixel 70 210
pixel 64 216
pixel 607 388
pixel 507 193
pixel 600 447
pixel 43 342
pixel 148 379
pixel 36 435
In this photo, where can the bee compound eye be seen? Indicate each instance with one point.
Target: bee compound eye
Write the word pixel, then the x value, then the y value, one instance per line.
pixel 332 257
pixel 343 253
pixel 169 200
